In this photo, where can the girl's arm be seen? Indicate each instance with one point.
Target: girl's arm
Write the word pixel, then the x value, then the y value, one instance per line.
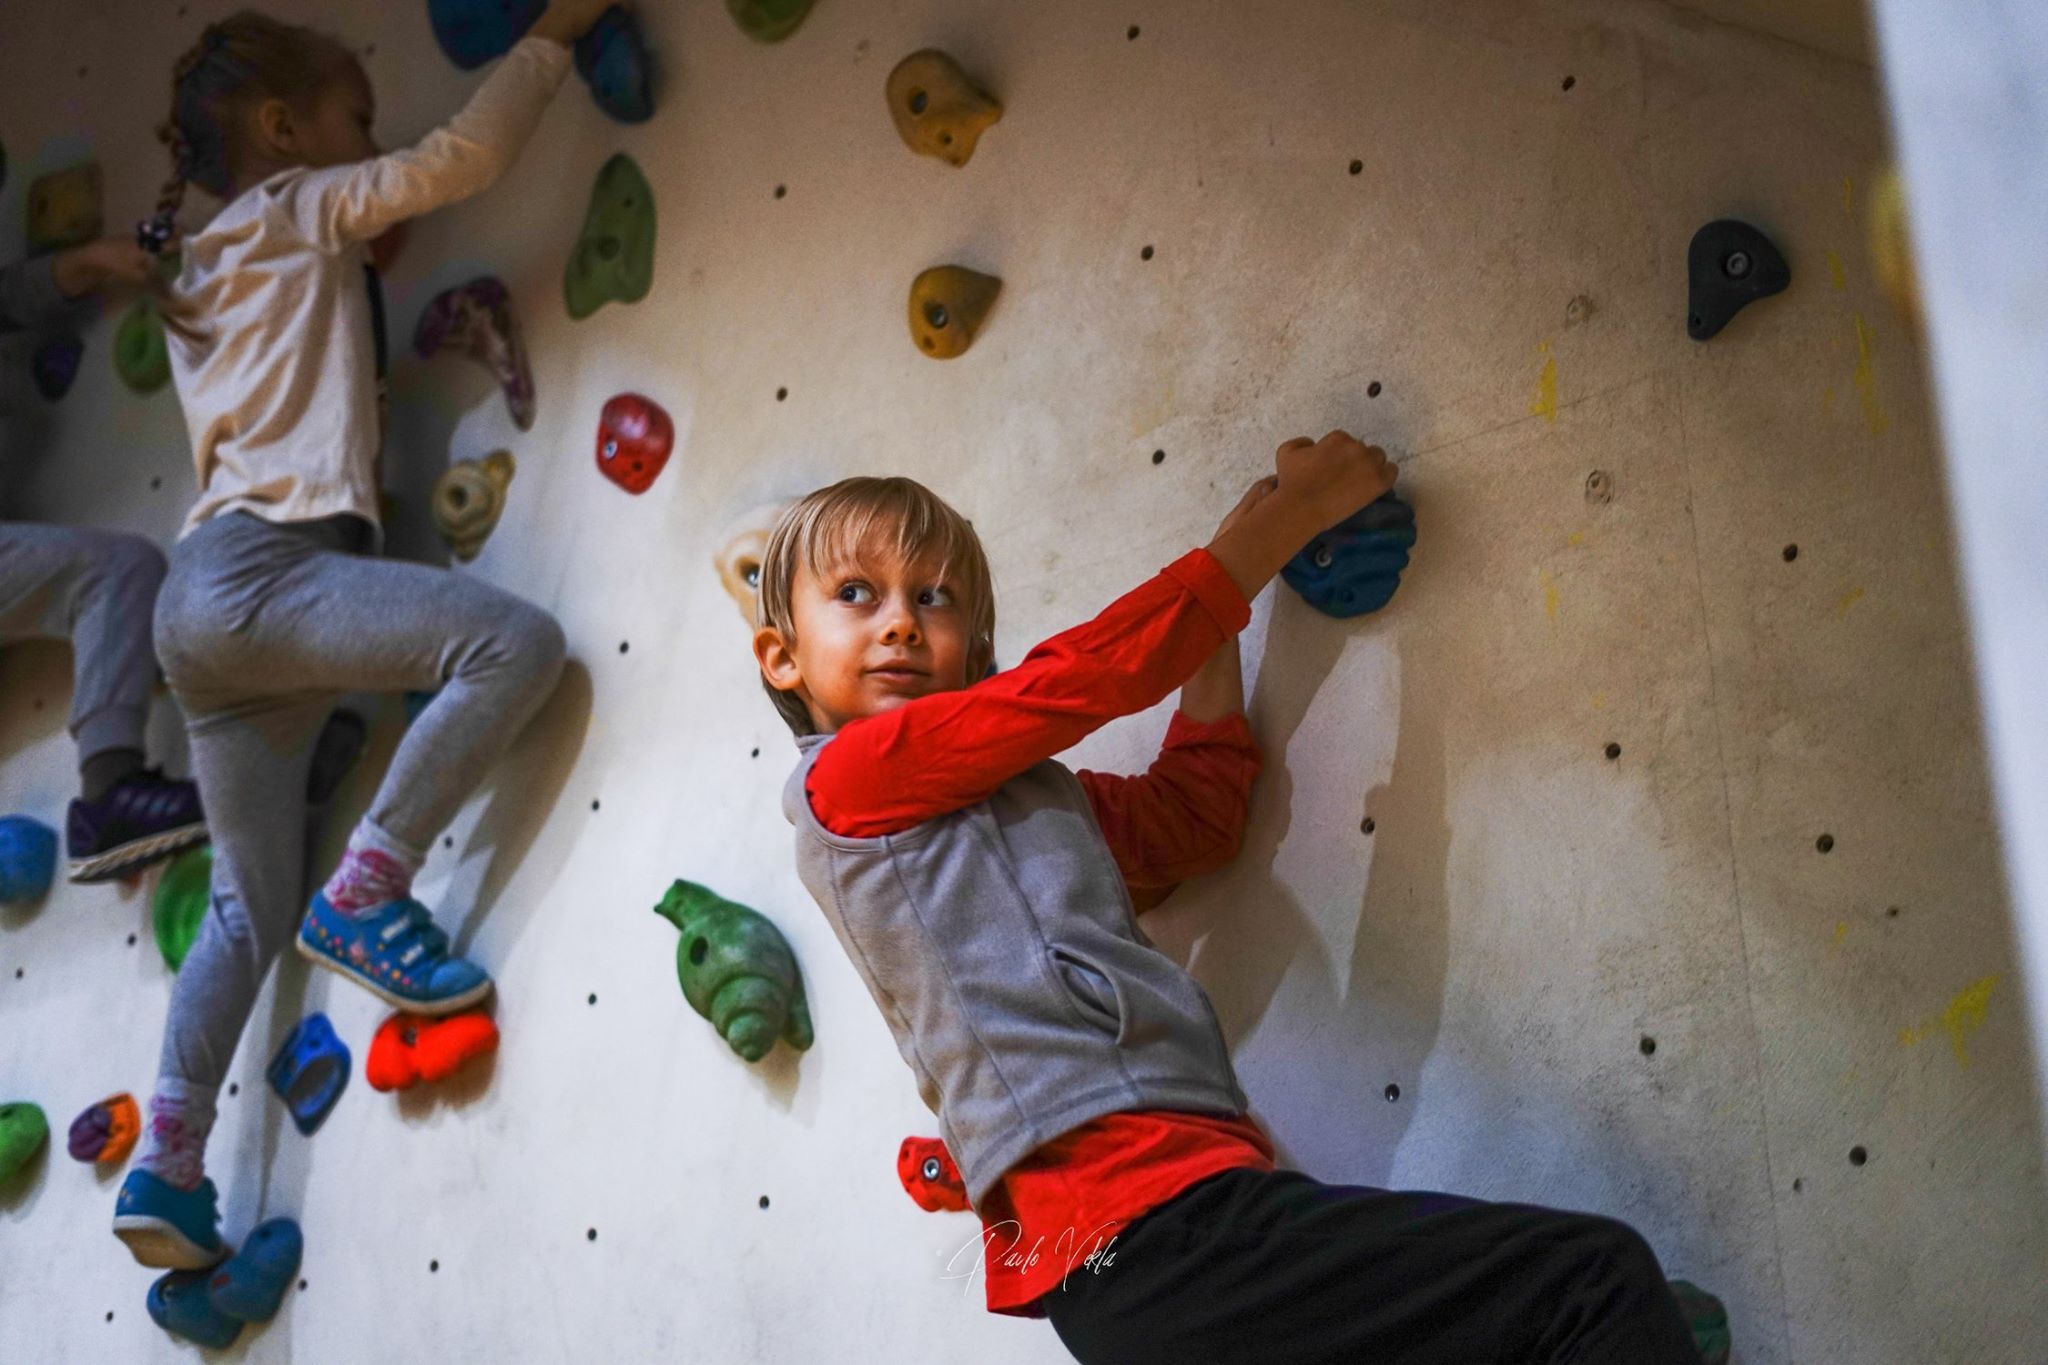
pixel 338 205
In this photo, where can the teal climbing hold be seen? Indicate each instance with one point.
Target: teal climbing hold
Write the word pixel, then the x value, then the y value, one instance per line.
pixel 178 907
pixel 613 260
pixel 737 970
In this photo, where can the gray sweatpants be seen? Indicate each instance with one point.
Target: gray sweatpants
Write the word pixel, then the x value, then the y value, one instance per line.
pixel 96 589
pixel 260 628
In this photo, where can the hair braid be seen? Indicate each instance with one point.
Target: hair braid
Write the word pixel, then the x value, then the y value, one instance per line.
pixel 243 57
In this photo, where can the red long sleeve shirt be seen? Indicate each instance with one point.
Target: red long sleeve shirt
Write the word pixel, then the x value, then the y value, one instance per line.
pixel 1184 816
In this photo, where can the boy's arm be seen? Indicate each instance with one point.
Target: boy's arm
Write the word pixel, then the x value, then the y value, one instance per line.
pixel 885 773
pixel 888 772
pixel 1185 815
pixel 339 205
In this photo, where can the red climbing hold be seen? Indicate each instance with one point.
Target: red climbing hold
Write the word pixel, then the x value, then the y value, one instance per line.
pixel 634 437
pixel 410 1048
pixel 929 1175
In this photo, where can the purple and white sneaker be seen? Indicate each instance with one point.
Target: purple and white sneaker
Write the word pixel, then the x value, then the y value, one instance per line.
pixel 144 818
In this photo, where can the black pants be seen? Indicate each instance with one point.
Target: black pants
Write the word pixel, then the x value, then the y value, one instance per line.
pixel 1275 1268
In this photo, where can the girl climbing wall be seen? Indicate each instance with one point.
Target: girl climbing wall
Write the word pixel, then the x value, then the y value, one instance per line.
pixel 275 601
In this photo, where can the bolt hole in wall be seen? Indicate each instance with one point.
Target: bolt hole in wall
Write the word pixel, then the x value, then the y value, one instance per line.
pixel 1570 81
pixel 1613 751
pixel 1648 1045
pixel 1826 843
pixel 764 1201
pixel 1145 253
pixel 1857 1156
pixel 1791 553
pixel 1357 166
pixel 1366 826
pixel 433 1267
pixel 781 395
pixel 1158 457
pixel 781 191
pixel 1131 34
pixel 1372 390
pixel 1392 1092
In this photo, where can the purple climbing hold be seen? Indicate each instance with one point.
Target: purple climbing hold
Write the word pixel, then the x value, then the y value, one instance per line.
pixel 477 318
pixel 56 365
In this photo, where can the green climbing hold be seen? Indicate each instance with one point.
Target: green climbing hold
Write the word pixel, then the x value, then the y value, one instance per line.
pixel 614 254
pixel 182 895
pixel 140 357
pixel 769 21
pixel 737 970
pixel 1707 1319
pixel 23 1130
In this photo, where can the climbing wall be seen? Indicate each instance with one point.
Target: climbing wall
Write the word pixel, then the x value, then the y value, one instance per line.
pixel 1638 857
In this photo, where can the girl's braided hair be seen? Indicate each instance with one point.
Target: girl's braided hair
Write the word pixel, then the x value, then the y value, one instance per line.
pixel 236 62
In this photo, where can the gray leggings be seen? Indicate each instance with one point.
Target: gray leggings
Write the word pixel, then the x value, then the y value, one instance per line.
pixel 260 628
pixel 96 589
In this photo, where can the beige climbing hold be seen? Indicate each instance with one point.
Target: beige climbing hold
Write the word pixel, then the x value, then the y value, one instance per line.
pixel 948 304
pixel 938 110
pixel 469 499
pixel 739 560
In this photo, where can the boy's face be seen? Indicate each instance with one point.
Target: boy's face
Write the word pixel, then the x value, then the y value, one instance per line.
pixel 869 636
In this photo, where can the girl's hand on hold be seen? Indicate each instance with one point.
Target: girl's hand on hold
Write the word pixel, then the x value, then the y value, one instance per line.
pixel 567 20
pixel 1333 477
pixel 110 263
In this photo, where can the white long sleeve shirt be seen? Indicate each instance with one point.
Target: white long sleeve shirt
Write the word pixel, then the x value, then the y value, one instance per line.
pixel 269 323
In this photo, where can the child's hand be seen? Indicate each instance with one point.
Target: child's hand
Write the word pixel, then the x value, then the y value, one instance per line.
pixel 567 20
pixel 111 262
pixel 1335 476
pixel 1252 497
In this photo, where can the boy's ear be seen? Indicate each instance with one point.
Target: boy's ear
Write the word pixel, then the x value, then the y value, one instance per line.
pixel 777 660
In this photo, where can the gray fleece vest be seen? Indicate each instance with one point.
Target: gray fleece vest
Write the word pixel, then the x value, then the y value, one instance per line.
pixel 1000 944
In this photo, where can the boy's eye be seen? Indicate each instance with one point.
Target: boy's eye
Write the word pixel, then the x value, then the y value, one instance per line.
pixel 936 597
pixel 856 592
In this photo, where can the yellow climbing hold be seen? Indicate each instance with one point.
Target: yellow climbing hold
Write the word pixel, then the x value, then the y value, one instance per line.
pixel 1866 381
pixel 1545 403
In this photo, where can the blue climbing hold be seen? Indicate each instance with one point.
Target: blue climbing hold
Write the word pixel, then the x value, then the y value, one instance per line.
pixel 250 1285
pixel 1354 567
pixel 178 1304
pixel 55 366
pixel 310 1071
pixel 612 59
pixel 472 32
pixel 28 859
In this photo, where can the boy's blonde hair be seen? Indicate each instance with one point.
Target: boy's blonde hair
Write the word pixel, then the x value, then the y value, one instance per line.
pixel 834 525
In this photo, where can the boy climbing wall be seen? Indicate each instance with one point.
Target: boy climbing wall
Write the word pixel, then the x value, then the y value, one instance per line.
pixel 96 589
pixel 1082 1082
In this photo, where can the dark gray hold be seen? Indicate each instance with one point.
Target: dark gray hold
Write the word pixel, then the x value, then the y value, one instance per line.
pixel 1729 266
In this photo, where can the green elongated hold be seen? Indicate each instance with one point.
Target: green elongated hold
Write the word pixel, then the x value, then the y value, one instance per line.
pixel 179 905
pixel 140 356
pixel 768 21
pixel 23 1130
pixel 613 259
pixel 737 970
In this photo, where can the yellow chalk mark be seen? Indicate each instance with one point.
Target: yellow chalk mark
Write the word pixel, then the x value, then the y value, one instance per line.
pixel 1841 930
pixel 1576 539
pixel 1549 595
pixel 1866 381
pixel 1545 403
pixel 1965 1014
pixel 1849 196
pixel 1847 600
pixel 1838 275
pixel 1962 1016
pixel 1827 399
pixel 1599 701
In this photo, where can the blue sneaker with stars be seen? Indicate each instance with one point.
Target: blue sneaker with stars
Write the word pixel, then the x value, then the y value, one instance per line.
pixel 394 952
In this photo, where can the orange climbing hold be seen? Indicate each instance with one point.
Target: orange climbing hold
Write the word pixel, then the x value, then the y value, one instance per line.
pixel 410 1048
